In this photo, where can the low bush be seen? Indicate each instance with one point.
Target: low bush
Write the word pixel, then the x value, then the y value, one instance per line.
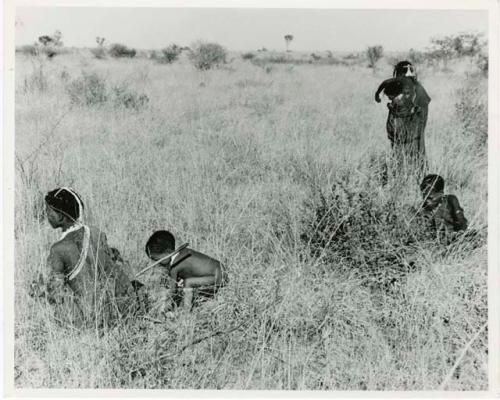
pixel 357 230
pixel 123 96
pixel 89 89
pixel 169 54
pixel 206 56
pixel 118 50
pixel 248 56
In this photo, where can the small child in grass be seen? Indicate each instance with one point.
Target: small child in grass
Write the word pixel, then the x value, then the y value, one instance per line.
pixel 188 271
pixel 443 210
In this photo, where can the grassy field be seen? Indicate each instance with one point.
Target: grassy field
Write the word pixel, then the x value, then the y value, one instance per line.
pixel 231 161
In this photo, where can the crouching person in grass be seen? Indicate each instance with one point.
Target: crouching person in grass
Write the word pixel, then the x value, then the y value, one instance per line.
pixel 187 274
pixel 443 211
pixel 444 217
pixel 84 284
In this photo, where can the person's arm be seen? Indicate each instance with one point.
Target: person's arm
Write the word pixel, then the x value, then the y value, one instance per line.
pixel 381 88
pixel 459 221
pixel 174 272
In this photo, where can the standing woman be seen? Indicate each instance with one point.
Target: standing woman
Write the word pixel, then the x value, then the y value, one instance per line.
pixel 407 116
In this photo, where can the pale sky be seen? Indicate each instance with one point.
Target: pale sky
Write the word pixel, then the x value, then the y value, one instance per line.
pixel 247 29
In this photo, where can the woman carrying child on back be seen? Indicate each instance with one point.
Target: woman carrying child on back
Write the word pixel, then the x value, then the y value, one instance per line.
pixel 407 118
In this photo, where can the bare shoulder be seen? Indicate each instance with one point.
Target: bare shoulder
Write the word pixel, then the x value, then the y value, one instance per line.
pixel 454 205
pixel 453 200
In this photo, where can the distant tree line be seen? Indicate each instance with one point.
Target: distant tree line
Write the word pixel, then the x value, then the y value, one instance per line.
pixel 207 55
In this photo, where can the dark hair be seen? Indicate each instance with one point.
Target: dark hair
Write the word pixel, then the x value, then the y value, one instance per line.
pixel 160 242
pixel 65 201
pixel 401 68
pixel 436 182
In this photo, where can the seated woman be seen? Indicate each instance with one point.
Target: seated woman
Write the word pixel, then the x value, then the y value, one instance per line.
pixel 84 282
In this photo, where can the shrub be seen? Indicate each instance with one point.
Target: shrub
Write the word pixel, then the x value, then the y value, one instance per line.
pixel 248 56
pixel 315 57
pixel 88 89
pixel 118 50
pixel 374 53
pixel 205 56
pixel 169 54
pixel 355 229
pixel 125 97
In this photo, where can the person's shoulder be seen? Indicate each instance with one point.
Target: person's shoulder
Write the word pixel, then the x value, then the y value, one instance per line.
pixel 452 200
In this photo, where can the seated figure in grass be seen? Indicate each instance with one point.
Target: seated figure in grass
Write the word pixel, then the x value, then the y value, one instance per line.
pixel 188 273
pixel 86 285
pixel 443 211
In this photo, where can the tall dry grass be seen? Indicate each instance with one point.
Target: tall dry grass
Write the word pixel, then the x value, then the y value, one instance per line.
pixel 227 159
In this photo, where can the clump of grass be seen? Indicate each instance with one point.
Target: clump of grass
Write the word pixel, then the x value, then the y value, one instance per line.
pixel 37 81
pixel 92 89
pixel 169 54
pixel 124 96
pixel 89 89
pixel 472 109
pixel 359 226
pixel 118 50
pixel 248 56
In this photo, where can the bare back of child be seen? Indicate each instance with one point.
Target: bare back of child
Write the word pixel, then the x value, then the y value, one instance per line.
pixel 192 273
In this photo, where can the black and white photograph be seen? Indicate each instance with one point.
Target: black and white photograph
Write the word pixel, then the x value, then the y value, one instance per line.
pixel 251 198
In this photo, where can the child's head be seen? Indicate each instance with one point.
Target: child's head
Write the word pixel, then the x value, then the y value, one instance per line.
pixel 393 89
pixel 63 207
pixel 160 244
pixel 432 183
pixel 432 188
